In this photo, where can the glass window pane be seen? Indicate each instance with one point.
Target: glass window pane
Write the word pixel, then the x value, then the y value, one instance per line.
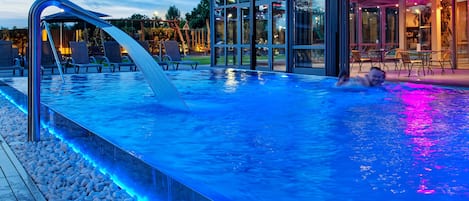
pixel 279 61
pixel 232 56
pixel 246 59
pixel 309 22
pixel 353 26
pixel 262 19
pixel 447 17
pixel 220 56
pixel 219 2
pixel 245 27
pixel 392 28
pixel 232 18
pixel 220 26
pixel 279 22
pixel 309 58
pixel 262 57
pixel 462 45
pixel 370 25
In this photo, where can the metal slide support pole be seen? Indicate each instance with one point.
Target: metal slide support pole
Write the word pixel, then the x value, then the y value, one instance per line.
pixel 34 69
pixel 34 56
pixel 54 51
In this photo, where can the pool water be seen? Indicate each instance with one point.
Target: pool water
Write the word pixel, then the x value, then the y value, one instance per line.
pixel 272 136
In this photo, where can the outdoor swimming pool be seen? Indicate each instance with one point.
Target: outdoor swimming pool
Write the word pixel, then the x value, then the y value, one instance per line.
pixel 273 136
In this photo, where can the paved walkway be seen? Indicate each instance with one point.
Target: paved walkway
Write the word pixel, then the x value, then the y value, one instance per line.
pixel 15 183
pixel 460 77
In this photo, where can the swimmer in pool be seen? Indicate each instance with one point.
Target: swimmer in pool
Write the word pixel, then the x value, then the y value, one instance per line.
pixel 374 78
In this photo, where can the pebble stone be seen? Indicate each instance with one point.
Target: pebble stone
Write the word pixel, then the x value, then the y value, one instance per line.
pixel 59 173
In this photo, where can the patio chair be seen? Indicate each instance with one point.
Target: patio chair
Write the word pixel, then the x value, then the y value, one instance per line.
pixel 113 57
pixel 8 58
pixel 392 56
pixel 163 62
pixel 81 59
pixel 442 58
pixel 174 56
pixel 357 58
pixel 408 63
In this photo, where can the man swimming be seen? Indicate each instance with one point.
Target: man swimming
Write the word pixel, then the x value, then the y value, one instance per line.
pixel 375 77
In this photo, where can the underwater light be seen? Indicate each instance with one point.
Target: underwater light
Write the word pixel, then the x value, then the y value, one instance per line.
pixel 24 110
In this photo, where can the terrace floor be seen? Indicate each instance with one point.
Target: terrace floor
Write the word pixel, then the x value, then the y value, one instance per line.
pixel 459 78
pixel 15 183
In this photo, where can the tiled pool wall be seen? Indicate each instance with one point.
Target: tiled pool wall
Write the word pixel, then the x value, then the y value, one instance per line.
pixel 133 172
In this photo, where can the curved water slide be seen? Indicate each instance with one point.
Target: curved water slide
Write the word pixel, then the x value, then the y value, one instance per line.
pixel 164 90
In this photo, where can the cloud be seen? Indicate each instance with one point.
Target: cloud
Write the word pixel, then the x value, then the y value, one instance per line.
pixel 15 12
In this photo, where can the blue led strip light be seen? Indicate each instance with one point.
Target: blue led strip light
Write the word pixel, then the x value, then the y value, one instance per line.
pixel 77 150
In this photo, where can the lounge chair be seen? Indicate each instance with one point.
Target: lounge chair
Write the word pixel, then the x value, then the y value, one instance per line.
pixel 113 57
pixel 175 58
pixel 8 58
pixel 392 56
pixel 48 60
pixel 163 62
pixel 357 58
pixel 80 57
pixel 443 58
pixel 408 63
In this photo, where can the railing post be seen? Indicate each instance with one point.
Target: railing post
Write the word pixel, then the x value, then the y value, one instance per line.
pixel 34 62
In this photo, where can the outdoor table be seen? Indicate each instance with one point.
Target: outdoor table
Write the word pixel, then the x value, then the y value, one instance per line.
pixel 424 56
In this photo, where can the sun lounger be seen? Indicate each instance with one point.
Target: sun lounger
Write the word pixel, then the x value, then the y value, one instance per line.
pixel 48 60
pixel 113 57
pixel 163 62
pixel 81 59
pixel 8 58
pixel 175 58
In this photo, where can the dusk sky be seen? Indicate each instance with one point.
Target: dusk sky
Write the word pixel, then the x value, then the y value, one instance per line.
pixel 15 12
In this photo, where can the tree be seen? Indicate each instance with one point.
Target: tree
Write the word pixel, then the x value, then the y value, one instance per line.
pixel 156 18
pixel 173 13
pixel 199 15
pixel 137 16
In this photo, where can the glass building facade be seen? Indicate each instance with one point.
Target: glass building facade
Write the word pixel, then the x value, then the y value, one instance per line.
pixel 287 32
pixel 316 36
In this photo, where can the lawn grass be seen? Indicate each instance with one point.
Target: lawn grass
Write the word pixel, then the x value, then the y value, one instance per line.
pixel 203 60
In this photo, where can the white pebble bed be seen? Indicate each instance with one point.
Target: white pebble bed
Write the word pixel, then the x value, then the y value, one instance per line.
pixel 59 172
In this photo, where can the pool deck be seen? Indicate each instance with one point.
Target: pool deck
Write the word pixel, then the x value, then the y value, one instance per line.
pixel 16 184
pixel 459 78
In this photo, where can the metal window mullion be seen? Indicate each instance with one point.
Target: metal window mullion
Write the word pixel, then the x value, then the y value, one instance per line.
pixel 289 31
pixel 213 32
pixel 239 24
pixel 270 58
pixel 453 42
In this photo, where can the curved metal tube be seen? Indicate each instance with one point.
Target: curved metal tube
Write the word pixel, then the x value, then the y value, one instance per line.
pixel 54 51
pixel 162 88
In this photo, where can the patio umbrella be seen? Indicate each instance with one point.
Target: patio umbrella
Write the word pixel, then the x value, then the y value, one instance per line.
pixel 62 17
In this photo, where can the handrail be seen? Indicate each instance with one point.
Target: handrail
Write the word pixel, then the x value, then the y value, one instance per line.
pixel 162 88
pixel 54 51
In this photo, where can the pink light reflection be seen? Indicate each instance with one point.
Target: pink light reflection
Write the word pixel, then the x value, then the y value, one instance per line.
pixel 419 120
pixel 418 111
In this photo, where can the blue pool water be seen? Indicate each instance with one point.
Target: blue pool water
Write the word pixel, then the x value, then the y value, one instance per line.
pixel 271 136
